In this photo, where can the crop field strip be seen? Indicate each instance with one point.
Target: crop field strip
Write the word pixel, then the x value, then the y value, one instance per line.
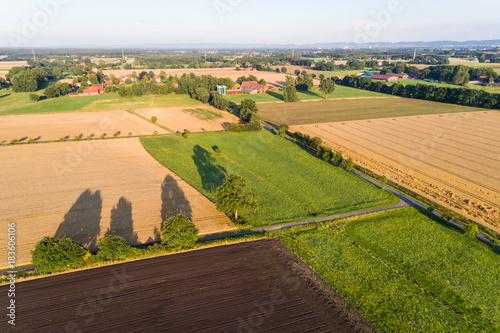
pixel 442 293
pixel 131 194
pixel 267 159
pixel 479 184
pixel 295 114
pixel 354 140
pixel 210 290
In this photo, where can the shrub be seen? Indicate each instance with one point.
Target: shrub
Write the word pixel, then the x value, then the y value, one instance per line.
pixel 88 137
pixel 112 248
pixel 471 230
pixel 62 139
pixel 337 158
pixel 101 137
pixel 348 164
pixel 77 138
pixel 34 97
pixel 283 129
pixel 31 141
pixel 14 141
pixel 430 209
pixel 179 233
pixel 155 133
pixel 154 119
pixel 116 134
pixel 55 255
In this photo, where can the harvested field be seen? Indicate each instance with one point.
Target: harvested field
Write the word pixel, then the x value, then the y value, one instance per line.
pixel 53 126
pixel 257 286
pixel 86 189
pixel 352 109
pixel 10 64
pixel 452 158
pixel 272 78
pixel 195 118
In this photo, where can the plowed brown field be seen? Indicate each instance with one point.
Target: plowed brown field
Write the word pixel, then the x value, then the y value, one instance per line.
pixel 53 126
pixel 453 158
pixel 84 190
pixel 249 287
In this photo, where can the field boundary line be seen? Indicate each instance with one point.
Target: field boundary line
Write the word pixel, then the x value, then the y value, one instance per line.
pixel 149 121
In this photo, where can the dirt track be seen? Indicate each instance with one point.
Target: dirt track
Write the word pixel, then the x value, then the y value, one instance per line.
pixel 181 118
pixel 86 189
pixel 53 126
pixel 451 158
pixel 258 286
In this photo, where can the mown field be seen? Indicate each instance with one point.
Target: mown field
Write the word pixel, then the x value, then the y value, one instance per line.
pixel 315 93
pixel 92 103
pixel 290 183
pixel 405 272
pixel 345 110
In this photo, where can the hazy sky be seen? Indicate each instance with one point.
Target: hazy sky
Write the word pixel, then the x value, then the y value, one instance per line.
pixel 111 22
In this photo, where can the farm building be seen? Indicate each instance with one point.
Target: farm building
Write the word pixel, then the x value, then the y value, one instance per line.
pixel 381 77
pixel 253 87
pixel 94 90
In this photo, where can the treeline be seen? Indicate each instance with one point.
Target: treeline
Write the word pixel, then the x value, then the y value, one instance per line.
pixel 460 96
pixel 28 79
pixel 458 74
pixel 430 60
pixel 248 112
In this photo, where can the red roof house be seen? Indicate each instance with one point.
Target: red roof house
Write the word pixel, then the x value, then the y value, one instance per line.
pixel 253 87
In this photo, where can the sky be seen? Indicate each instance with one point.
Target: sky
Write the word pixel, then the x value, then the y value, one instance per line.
pixel 72 23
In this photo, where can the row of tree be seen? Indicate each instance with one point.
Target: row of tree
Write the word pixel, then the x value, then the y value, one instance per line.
pixel 460 96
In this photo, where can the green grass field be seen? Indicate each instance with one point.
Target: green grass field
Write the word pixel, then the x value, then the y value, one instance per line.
pixel 490 89
pixel 344 110
pixel 315 93
pixel 93 103
pixel 405 272
pixel 61 104
pixel 288 180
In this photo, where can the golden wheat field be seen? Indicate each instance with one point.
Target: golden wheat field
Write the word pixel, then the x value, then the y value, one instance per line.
pixel 53 126
pixel 452 158
pixel 196 118
pixel 85 190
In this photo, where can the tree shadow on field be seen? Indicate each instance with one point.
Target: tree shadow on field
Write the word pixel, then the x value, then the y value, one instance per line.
pixel 275 95
pixel 82 222
pixel 210 172
pixel 122 223
pixel 173 200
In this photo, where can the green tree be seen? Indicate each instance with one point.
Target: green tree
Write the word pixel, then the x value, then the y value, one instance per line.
pixel 55 255
pixel 219 102
pixel 338 158
pixel 327 87
pixel 112 247
pixel 233 194
pixel 322 76
pixel 154 119
pixel 179 233
pixel 304 82
pixel 471 230
pixel 283 129
pixel 283 70
pixel 290 92
pixel 34 98
pixel 348 164
pixel 482 58
pixel 383 181
pixel 249 104
pixel 297 72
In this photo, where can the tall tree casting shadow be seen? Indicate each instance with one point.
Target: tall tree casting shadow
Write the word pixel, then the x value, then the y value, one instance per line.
pixel 82 222
pixel 173 200
pixel 122 223
pixel 211 173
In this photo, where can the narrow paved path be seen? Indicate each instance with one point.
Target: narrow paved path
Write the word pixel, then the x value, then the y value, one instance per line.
pixel 294 224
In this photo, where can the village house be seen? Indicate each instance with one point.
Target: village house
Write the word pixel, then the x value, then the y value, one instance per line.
pixel 253 87
pixel 380 77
